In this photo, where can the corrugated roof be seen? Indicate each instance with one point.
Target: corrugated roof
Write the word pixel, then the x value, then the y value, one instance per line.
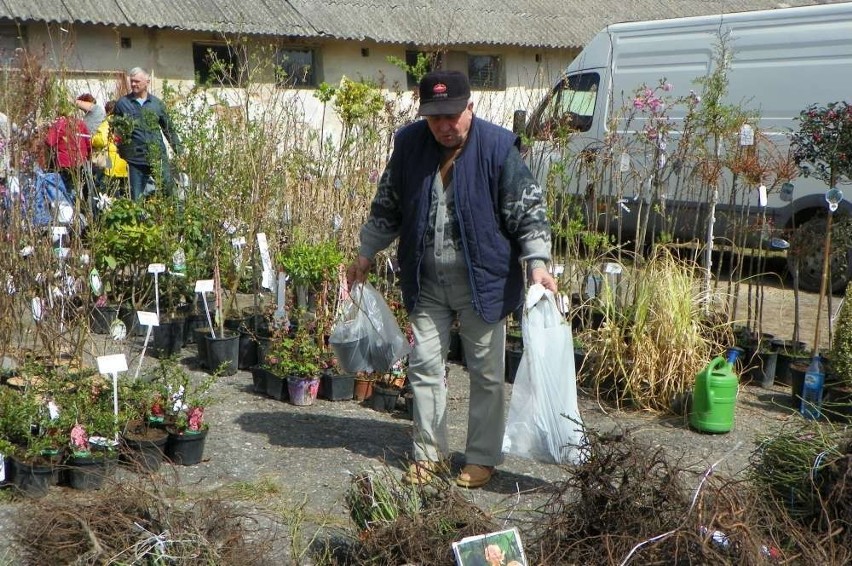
pixel 533 23
pixel 529 23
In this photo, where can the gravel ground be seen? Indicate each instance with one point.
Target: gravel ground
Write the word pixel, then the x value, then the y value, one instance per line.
pixel 312 451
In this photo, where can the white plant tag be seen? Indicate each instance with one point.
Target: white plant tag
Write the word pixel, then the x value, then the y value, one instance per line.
pixel 95 282
pixel 112 364
pixel 612 268
pixel 36 305
pixel 761 196
pixel 624 164
pixel 746 135
pixel 156 268
pixel 204 286
pixel 267 280
pixel 148 318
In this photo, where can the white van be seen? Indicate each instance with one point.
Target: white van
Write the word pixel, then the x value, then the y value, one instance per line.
pixel 782 61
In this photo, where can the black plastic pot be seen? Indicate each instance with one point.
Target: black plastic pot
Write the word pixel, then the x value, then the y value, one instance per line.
pixel 353 356
pixel 223 353
pixel 384 399
pixel 259 375
pixel 201 335
pixel 32 479
pixel 247 355
pixel 454 354
pixel 276 387
pixel 102 318
pixel 86 472
pixel 338 387
pixel 145 453
pixel 513 362
pixel 798 369
pixel 167 339
pixel 186 448
pixel 193 322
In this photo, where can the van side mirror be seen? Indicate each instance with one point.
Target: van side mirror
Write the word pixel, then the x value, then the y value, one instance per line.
pixel 519 122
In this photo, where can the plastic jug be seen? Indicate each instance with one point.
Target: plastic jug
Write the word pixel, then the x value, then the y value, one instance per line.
pixel 714 397
pixel 811 406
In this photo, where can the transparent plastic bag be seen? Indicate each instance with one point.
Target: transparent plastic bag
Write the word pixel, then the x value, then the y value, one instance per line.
pixel 366 336
pixel 544 421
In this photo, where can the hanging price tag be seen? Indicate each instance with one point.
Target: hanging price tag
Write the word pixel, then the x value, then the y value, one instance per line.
pixel 267 280
pixel 761 196
pixel 746 135
pixel 624 164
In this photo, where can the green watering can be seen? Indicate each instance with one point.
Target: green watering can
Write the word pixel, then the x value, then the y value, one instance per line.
pixel 714 397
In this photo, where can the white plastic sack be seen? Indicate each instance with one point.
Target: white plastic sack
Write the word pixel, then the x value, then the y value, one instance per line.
pixel 366 336
pixel 544 420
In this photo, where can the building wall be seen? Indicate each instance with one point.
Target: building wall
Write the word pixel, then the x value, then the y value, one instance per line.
pixel 92 57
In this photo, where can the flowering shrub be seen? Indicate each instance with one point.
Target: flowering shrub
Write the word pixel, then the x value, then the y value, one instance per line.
pixel 295 353
pixel 79 438
pixel 822 147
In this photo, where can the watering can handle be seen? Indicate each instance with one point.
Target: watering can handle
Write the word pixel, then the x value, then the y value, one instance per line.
pixel 717 363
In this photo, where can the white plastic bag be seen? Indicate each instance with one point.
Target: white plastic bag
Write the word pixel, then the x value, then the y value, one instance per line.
pixel 544 420
pixel 366 336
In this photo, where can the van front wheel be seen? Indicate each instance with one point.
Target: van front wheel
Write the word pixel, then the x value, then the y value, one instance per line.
pixel 808 247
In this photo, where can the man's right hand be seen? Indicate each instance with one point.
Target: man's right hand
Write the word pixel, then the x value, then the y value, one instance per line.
pixel 358 270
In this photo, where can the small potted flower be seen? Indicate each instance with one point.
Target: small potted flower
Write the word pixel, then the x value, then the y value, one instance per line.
pixel 88 458
pixel 182 403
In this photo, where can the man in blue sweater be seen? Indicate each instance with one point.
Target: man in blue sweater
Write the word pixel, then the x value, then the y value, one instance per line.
pixel 468 213
pixel 144 150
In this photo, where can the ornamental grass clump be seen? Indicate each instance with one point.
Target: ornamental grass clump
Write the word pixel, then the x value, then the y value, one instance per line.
pixel 655 336
pixel 790 465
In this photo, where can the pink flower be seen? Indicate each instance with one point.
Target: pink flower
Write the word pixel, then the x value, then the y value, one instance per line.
pixel 656 104
pixel 639 103
pixel 79 438
pixel 668 87
pixel 196 418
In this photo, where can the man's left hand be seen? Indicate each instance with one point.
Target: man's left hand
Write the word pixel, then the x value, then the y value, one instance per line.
pixel 541 275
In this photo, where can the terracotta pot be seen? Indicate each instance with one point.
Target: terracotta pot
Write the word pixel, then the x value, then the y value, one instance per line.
pixel 363 388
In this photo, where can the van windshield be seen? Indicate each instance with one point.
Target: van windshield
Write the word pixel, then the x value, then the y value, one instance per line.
pixel 569 107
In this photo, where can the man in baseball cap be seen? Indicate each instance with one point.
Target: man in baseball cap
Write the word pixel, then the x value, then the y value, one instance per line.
pixel 443 93
pixel 467 214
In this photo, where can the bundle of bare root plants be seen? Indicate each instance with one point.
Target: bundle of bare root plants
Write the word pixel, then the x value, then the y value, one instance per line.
pixel 141 521
pixel 627 504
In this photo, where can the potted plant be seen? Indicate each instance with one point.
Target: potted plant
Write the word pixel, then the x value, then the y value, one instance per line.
pixel 143 435
pixel 89 458
pixel 179 402
pixel 123 241
pixel 298 358
pixel 335 386
pixel 87 415
pixel 387 388
pixel 32 441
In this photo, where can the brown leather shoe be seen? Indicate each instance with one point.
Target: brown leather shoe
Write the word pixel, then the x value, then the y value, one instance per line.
pixel 422 472
pixel 474 475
